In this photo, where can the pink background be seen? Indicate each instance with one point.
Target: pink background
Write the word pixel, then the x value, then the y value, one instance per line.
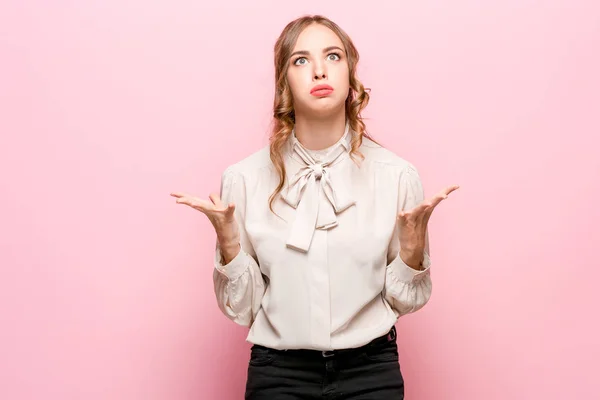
pixel 107 106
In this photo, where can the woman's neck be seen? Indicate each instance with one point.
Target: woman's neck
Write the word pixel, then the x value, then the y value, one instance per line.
pixel 318 134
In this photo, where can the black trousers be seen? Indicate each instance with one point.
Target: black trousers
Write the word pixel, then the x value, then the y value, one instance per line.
pixel 370 372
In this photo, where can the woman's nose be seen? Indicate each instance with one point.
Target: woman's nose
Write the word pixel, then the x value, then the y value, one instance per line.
pixel 320 72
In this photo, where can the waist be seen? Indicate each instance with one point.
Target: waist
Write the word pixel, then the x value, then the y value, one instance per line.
pixel 307 353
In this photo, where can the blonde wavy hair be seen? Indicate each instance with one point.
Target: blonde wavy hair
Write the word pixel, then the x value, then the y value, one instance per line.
pixel 283 109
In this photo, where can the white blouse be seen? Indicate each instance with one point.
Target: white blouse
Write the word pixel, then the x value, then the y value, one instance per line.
pixel 325 273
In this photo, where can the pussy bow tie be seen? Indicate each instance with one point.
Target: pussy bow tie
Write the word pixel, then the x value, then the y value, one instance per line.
pixel 315 196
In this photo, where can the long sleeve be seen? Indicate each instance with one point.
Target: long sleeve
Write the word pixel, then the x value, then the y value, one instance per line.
pixel 239 285
pixel 406 289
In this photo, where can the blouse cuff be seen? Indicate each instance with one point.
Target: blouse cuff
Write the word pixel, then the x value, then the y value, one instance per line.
pixel 235 268
pixel 406 274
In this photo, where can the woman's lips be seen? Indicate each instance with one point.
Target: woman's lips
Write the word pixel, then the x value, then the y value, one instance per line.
pixel 321 90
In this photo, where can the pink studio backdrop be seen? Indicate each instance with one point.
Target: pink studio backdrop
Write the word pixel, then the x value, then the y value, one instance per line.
pixel 107 106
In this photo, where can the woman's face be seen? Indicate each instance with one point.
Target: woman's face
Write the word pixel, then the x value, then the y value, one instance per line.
pixel 318 58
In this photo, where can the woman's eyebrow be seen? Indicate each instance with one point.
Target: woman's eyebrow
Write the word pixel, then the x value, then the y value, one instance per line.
pixel 325 50
pixel 328 49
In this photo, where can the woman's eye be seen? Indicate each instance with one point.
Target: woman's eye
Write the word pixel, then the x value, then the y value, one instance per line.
pixel 330 57
pixel 297 62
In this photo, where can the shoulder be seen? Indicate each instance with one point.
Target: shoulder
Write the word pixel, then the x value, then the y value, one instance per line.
pixel 250 165
pixel 385 158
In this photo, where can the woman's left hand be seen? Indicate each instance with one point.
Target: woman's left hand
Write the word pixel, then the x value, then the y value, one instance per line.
pixel 412 225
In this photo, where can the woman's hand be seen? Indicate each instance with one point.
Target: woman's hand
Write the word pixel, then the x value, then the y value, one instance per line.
pixel 412 225
pixel 222 218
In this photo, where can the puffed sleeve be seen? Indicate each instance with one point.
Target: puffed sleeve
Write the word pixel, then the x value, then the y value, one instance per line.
pixel 407 289
pixel 239 285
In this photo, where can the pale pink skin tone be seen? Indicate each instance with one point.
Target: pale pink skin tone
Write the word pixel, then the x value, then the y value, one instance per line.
pixel 319 57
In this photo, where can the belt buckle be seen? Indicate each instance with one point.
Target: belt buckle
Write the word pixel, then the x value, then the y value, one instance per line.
pixel 392 334
pixel 328 353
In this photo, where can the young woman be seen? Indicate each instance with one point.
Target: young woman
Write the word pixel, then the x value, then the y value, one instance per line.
pixel 322 239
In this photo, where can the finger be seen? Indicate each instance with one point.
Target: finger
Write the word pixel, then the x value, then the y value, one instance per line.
pixel 419 214
pixel 412 213
pixel 179 194
pixel 449 190
pixel 437 199
pixel 230 210
pixel 416 210
pixel 185 200
pixel 431 205
pixel 199 204
pixel 443 195
pixel 426 207
pixel 216 200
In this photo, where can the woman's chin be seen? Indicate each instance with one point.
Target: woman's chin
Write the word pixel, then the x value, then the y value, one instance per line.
pixel 326 107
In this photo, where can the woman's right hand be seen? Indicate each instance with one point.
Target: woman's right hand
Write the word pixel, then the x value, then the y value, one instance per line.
pixel 221 216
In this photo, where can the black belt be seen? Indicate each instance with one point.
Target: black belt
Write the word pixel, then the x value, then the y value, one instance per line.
pixel 390 336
